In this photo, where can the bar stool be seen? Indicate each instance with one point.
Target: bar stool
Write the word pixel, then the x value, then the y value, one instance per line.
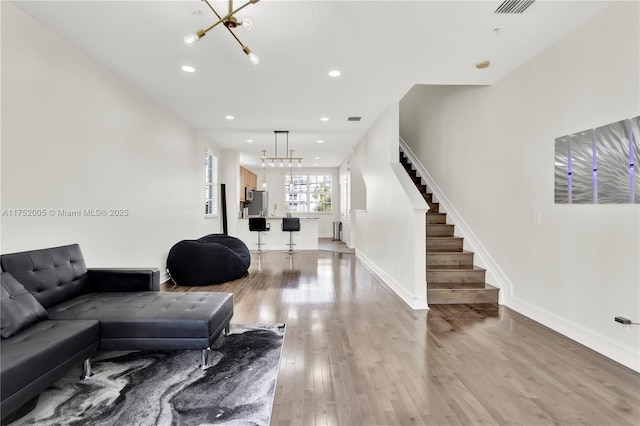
pixel 260 225
pixel 291 225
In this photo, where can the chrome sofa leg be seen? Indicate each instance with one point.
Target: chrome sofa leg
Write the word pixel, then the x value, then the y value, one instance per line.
pixel 86 369
pixel 204 358
pixel 227 330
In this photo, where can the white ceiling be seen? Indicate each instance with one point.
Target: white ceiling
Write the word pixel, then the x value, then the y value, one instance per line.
pixel 382 49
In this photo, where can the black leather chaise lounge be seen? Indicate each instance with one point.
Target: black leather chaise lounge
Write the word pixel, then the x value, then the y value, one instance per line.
pixel 57 313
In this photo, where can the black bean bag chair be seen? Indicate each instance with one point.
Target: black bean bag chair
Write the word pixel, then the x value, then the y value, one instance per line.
pixel 212 259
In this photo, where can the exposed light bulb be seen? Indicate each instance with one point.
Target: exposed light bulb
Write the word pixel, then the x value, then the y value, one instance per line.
pixel 254 58
pixel 299 163
pixel 191 39
pixel 281 163
pixel 247 24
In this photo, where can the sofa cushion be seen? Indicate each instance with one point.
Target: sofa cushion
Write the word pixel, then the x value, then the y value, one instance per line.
pixel 18 308
pixel 52 275
pixel 38 349
pixel 150 315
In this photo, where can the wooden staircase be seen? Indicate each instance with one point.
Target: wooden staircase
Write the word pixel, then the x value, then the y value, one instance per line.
pixel 451 275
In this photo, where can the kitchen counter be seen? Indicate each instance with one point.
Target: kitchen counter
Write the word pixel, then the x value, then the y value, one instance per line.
pixel 276 239
pixel 282 217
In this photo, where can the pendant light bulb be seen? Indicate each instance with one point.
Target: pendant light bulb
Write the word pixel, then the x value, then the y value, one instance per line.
pixel 191 39
pixel 299 163
pixel 281 163
pixel 247 24
pixel 254 58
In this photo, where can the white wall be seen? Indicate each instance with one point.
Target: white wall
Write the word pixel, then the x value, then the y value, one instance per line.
pixel 275 182
pixel 390 233
pixel 74 136
pixel 491 151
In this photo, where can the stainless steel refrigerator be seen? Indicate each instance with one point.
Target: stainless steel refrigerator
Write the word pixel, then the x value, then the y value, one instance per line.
pixel 260 204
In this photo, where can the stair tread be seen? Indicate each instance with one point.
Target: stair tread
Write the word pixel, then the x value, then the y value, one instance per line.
pixel 472 268
pixel 487 287
pixel 463 252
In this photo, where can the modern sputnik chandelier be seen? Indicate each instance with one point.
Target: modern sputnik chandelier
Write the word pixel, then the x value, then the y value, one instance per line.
pixel 230 22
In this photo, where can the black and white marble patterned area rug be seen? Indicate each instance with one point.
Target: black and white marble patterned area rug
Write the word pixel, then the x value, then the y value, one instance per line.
pixel 168 387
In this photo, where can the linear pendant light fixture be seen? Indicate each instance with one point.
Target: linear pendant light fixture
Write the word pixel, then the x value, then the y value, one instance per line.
pixel 230 22
pixel 290 160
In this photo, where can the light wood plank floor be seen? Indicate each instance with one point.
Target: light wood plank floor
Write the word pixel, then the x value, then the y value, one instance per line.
pixel 355 354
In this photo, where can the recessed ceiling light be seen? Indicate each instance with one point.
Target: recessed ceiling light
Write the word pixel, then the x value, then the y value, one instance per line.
pixel 320 141
pixel 316 158
pixel 188 68
pixel 483 64
pixel 334 73
pixel 324 119
pixel 229 117
pixel 315 164
pixel 249 140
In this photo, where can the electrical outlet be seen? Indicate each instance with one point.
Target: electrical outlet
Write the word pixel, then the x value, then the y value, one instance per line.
pixel 622 323
pixel 537 219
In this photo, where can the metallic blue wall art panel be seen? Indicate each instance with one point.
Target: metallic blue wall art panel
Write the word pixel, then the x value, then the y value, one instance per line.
pixel 581 154
pixel 599 166
pixel 562 178
pixel 612 156
pixel 634 133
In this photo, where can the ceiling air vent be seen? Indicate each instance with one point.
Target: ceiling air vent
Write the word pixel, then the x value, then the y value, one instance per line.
pixel 354 118
pixel 514 6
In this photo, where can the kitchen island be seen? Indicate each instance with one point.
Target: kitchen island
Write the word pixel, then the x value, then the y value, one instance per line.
pixel 276 239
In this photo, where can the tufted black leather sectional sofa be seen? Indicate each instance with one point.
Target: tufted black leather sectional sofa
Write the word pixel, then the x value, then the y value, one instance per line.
pixel 56 313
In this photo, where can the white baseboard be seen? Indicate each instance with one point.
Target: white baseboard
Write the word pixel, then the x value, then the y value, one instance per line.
pixel 410 299
pixel 600 343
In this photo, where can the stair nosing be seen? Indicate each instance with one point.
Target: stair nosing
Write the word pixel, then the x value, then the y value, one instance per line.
pixel 487 287
pixel 474 268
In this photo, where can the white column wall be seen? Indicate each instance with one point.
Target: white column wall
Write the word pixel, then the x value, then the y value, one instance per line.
pixel 491 151
pixel 390 233
pixel 74 136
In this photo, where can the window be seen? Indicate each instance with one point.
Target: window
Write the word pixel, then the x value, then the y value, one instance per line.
pixel 210 184
pixel 307 193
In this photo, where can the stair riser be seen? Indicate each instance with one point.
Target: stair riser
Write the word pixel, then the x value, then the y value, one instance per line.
pixel 436 218
pixel 433 207
pixel 449 260
pixel 465 278
pixel 448 297
pixel 446 244
pixel 440 230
